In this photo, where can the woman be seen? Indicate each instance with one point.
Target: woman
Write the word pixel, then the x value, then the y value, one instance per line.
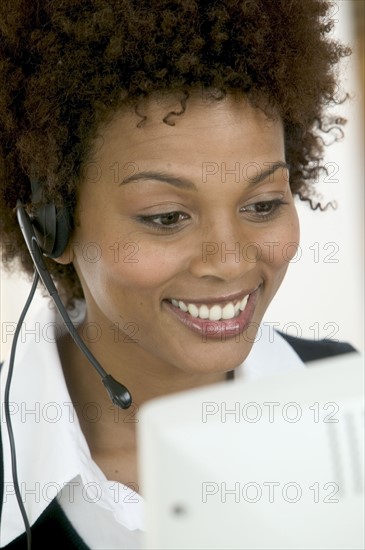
pixel 172 138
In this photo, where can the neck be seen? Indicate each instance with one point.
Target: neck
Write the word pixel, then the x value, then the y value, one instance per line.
pixel 145 377
pixel 110 431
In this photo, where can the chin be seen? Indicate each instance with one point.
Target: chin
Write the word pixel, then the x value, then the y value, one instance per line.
pixel 215 357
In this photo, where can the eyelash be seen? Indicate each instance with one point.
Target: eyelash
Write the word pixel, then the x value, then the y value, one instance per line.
pixel 275 204
pixel 147 220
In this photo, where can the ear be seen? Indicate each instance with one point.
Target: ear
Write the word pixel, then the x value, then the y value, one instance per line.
pixel 67 256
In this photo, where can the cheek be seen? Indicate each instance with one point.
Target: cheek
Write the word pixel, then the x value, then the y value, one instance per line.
pixel 279 245
pixel 129 265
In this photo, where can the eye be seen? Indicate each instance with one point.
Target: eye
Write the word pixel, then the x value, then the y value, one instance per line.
pixel 164 222
pixel 264 210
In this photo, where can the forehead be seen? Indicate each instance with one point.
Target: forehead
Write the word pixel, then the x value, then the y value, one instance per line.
pixel 225 130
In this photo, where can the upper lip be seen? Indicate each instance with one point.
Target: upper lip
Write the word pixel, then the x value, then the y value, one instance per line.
pixel 225 299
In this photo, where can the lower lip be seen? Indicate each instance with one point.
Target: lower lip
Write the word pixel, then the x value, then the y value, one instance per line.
pixel 217 330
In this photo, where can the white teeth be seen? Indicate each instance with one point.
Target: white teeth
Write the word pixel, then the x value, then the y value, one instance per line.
pixel 193 310
pixel 228 311
pixel 204 312
pixel 214 313
pixel 183 307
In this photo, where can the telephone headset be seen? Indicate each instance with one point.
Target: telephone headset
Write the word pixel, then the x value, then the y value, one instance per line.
pixel 46 232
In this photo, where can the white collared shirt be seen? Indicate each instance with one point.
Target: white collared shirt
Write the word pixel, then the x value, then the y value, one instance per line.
pixel 53 458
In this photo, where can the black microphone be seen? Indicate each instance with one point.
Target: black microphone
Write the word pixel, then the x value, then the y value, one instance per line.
pixel 118 393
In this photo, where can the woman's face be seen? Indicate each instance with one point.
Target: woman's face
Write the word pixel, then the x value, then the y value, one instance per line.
pixel 195 216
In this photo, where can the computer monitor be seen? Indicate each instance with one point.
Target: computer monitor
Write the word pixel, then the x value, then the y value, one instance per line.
pixel 276 463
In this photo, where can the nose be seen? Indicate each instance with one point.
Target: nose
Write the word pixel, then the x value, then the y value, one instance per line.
pixel 224 251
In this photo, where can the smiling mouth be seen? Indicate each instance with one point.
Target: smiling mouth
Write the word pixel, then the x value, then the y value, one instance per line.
pixel 222 318
pixel 214 312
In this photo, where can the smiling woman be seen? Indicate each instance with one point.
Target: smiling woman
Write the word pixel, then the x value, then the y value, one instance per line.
pixel 167 140
pixel 170 214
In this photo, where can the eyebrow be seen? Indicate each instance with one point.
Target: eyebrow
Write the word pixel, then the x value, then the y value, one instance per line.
pixel 184 183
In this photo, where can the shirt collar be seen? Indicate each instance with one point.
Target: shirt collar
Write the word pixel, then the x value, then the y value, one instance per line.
pixel 270 354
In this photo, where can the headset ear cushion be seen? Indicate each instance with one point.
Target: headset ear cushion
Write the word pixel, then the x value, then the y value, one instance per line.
pixel 52 226
pixel 63 232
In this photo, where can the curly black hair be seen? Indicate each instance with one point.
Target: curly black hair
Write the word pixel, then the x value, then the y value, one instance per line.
pixel 66 66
